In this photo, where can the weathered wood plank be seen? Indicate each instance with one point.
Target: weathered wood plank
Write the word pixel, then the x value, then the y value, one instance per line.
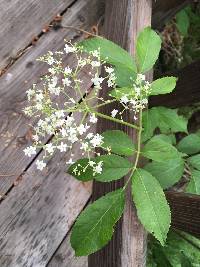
pixel 165 10
pixel 123 20
pixel 65 257
pixel 21 21
pixel 38 213
pixel 185 210
pixel 14 128
pixel 187 90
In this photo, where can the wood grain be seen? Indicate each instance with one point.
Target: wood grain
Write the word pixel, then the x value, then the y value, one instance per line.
pixel 187 90
pixel 38 213
pixel 185 210
pixel 123 20
pixel 65 257
pixel 21 21
pixel 14 126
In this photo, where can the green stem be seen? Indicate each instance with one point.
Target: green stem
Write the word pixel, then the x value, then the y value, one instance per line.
pixel 138 150
pixel 106 103
pixel 101 115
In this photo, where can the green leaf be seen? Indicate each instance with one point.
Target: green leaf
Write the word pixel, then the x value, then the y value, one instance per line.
pixel 114 167
pixel 168 120
pixel 194 161
pixel 159 150
pixel 124 76
pixel 190 144
pixel 194 183
pixel 152 208
pixel 110 52
pixel 163 85
pixel 183 22
pixel 160 257
pixel 167 173
pixel 167 138
pixel 185 261
pixel 119 92
pixel 94 227
pixel 177 245
pixel 149 122
pixel 119 142
pixel 148 47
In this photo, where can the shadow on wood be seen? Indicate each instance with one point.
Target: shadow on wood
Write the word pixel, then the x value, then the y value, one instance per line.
pixel 187 90
pixel 185 210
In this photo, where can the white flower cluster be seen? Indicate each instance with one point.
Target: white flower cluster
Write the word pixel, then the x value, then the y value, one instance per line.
pixel 60 95
pixel 137 98
pixel 66 132
pixel 56 100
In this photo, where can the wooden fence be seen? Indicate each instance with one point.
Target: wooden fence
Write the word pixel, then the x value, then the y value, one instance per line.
pixel 38 210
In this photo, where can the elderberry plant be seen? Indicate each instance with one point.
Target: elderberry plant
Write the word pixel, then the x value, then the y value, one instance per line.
pixel 69 120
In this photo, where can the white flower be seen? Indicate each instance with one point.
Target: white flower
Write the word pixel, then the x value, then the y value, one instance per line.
pixel 84 146
pixel 39 97
pixel 62 147
pixel 49 148
pixel 90 135
pixel 137 90
pixel 69 49
pixel 98 168
pixel 28 111
pixel 54 81
pixel 55 90
pixel 82 62
pixel 97 140
pixel 67 71
pixel 145 101
pixel 39 106
pixel 81 129
pixel 73 138
pixel 69 120
pixel 109 70
pixel 97 81
pixel 93 118
pixel 60 113
pixel 111 81
pixel 40 164
pixel 52 71
pixel 29 151
pixel 114 113
pixel 72 135
pixel 66 82
pixel 141 77
pixel 70 161
pixel 95 63
pixel 35 138
pixel 30 93
pixel 91 163
pixel 50 60
pixel 124 99
pixel 63 132
pixel 133 102
pixel 95 53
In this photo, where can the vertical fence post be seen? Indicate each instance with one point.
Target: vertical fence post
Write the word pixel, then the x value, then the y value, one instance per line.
pixel 123 20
